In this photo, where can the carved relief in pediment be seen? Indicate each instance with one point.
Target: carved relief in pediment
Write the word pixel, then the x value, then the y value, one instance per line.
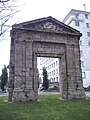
pixel 49 26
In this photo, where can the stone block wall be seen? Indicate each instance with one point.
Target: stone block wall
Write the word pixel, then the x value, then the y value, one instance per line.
pixel 30 44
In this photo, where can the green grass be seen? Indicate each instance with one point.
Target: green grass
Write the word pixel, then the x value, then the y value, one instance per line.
pixel 50 107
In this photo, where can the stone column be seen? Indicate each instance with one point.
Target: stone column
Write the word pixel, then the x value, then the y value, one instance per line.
pixel 63 77
pixel 74 76
pixel 35 78
pixel 11 70
pixel 24 73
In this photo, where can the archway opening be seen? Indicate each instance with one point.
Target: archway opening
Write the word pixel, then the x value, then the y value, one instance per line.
pixel 51 65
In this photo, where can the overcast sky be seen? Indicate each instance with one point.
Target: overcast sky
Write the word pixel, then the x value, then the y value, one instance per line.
pixel 34 9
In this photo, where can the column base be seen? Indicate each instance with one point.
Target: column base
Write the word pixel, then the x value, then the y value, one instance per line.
pixel 73 95
pixel 24 95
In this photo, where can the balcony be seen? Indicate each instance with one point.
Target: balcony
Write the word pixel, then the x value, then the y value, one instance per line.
pixel 74 18
pixel 81 19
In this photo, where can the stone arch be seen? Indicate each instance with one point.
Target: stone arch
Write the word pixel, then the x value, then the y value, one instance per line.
pixel 47 49
pixel 45 37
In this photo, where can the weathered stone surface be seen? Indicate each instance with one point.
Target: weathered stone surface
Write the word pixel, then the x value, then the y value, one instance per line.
pixel 45 37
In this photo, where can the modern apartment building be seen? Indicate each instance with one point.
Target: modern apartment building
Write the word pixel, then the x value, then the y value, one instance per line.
pixel 80 20
pixel 52 67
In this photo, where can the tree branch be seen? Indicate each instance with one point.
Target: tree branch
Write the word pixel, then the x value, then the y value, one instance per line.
pixel 4 1
pixel 7 11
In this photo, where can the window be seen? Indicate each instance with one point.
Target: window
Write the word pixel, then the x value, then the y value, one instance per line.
pixel 50 73
pixel 77 15
pixel 52 79
pixel 88 34
pixel 56 71
pixel 48 67
pixel 52 65
pixel 56 79
pixel 86 16
pixel 83 75
pixel 81 52
pixel 80 43
pixel 82 64
pixel 77 23
pixel 56 63
pixel 87 25
pixel 89 43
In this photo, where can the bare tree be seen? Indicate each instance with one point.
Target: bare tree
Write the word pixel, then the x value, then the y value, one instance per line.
pixel 7 11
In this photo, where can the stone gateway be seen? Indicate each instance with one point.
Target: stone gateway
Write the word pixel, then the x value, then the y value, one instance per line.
pixel 45 37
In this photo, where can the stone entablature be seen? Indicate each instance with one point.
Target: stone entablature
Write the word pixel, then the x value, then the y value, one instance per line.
pixel 46 37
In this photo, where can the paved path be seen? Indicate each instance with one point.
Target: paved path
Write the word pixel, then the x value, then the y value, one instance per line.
pixel 87 93
pixel 3 93
pixel 41 92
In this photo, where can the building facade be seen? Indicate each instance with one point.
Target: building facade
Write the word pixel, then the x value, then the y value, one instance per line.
pixel 80 20
pixel 52 67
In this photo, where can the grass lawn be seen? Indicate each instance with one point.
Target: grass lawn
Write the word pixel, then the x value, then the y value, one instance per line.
pixel 50 107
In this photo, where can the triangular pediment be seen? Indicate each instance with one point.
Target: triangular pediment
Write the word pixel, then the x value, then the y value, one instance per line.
pixel 48 24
